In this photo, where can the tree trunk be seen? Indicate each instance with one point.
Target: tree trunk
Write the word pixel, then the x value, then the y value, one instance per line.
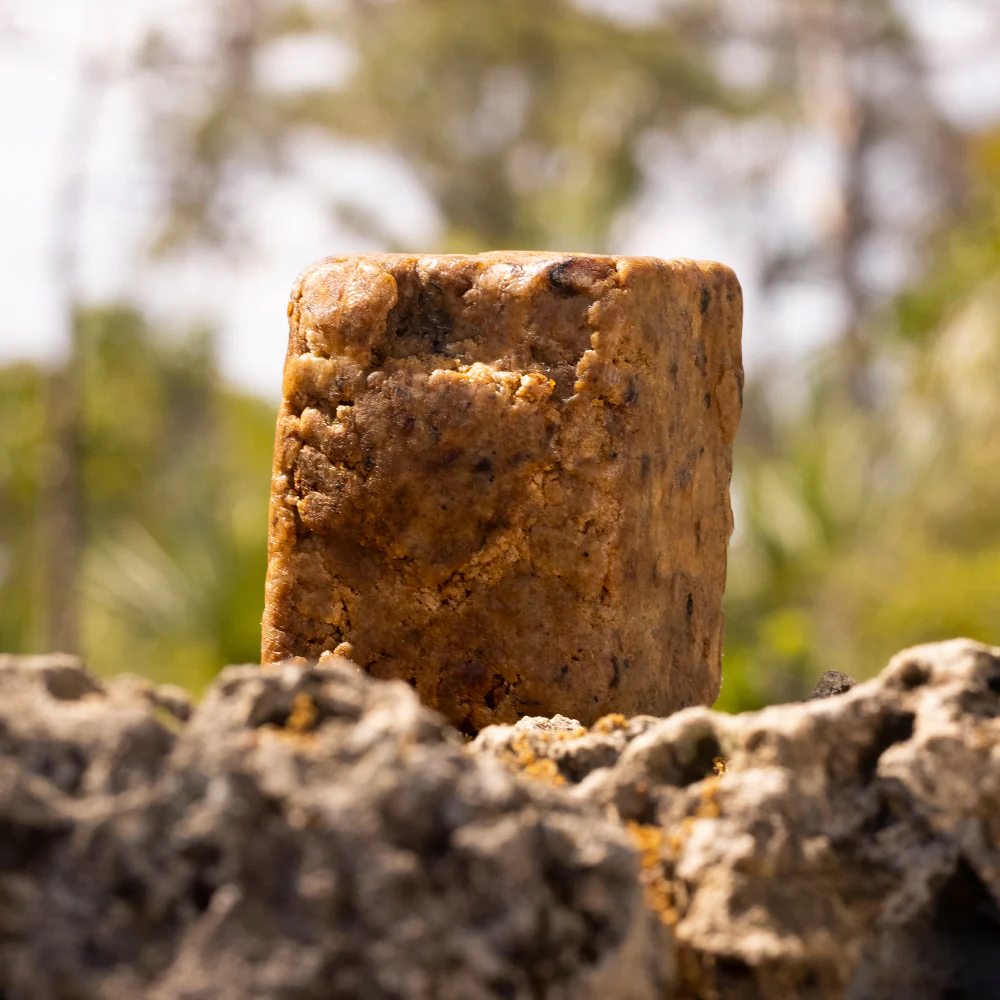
pixel 63 510
pixel 64 503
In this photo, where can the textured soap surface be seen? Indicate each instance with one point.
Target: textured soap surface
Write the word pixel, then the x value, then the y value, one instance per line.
pixel 505 478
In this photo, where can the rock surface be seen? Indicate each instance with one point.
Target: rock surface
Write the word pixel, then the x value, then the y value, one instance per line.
pixel 848 846
pixel 310 833
pixel 832 682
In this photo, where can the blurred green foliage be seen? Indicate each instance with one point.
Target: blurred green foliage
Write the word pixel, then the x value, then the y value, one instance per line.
pixel 22 435
pixel 176 471
pixel 863 531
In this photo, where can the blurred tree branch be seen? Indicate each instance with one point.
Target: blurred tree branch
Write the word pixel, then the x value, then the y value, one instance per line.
pixel 521 118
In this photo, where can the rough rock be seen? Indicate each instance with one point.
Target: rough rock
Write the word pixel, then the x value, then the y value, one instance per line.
pixel 310 832
pixel 843 847
pixel 832 682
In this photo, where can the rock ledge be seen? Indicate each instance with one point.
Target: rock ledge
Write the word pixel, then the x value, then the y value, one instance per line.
pixel 307 832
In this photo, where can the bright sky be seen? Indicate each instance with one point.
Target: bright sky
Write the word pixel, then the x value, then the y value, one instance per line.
pixel 288 220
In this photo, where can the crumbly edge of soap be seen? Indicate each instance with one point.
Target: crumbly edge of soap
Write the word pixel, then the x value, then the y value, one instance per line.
pixel 500 552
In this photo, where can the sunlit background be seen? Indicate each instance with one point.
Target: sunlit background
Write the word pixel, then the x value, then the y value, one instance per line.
pixel 169 165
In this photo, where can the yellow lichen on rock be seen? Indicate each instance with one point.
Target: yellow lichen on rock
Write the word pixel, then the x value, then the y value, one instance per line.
pixel 658 891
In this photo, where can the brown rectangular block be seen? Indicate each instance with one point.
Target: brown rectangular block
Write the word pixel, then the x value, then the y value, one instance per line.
pixel 504 478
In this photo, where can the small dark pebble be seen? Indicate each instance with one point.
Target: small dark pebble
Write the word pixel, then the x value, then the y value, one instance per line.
pixel 832 682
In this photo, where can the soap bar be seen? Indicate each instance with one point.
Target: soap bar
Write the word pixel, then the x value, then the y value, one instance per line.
pixel 504 479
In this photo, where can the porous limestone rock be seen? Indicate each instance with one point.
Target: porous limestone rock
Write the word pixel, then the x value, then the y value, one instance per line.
pixel 832 682
pixel 309 833
pixel 312 833
pixel 847 846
